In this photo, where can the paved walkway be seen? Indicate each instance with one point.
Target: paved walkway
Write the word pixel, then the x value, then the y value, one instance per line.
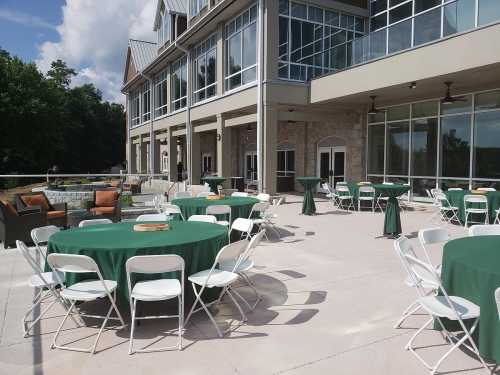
pixel 333 290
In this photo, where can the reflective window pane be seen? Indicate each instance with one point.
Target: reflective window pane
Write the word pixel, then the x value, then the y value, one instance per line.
pixel 249 46
pixel 378 21
pixel 427 27
pixel 377 44
pixel 455 146
pixel 446 184
pixel 487 100
pixel 460 106
pixel 420 185
pixel 425 109
pixel 489 11
pixel 283 6
pixel 377 6
pixel 299 11
pixel 400 13
pixel 424 147
pixel 397 148
pixel 421 5
pixel 378 117
pixel 487 145
pixel 458 16
pixel 398 113
pixel 376 139
pixel 400 36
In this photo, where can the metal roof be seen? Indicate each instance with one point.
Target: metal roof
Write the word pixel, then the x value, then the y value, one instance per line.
pixel 143 53
pixel 176 6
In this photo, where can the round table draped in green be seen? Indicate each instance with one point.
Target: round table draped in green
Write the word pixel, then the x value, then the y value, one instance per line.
pixel 471 270
pixel 213 182
pixel 309 183
pixel 110 245
pixel 456 199
pixel 392 219
pixel 240 206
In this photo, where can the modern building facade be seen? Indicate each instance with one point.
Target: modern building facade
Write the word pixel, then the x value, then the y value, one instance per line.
pixel 343 90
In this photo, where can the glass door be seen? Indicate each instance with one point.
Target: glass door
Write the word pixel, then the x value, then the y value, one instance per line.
pixel 251 167
pixel 338 155
pixel 331 165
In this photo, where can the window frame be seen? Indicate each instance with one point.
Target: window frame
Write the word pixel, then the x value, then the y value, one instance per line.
pixel 202 52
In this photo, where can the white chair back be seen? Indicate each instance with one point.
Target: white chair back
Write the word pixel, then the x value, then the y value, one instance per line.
pixel 231 252
pixel 203 218
pixel 486 189
pixel 367 190
pixel 343 189
pixel 204 194
pixel 387 183
pixel 263 197
pixel 40 237
pixel 73 263
pixel 475 199
pixel 218 209
pixel 153 217
pixel 260 207
pixel 435 191
pixel 433 235
pixel 242 225
pixel 87 223
pixel 455 189
pixel 35 266
pixel 239 194
pixel 183 194
pixel 150 264
pixel 484 230
pixel 422 271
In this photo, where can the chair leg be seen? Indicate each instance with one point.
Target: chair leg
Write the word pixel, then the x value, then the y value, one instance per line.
pixel 132 327
pixel 410 310
pixel 199 300
pixel 242 299
pixel 243 316
pixel 101 329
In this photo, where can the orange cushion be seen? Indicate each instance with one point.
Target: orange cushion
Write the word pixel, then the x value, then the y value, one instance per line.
pixel 55 214
pixel 106 198
pixel 35 200
pixel 9 206
pixel 103 210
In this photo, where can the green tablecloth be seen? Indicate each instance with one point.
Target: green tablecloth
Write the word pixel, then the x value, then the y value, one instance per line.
pixel 392 219
pixel 471 270
pixel 213 182
pixel 309 183
pixel 456 199
pixel 110 245
pixel 240 206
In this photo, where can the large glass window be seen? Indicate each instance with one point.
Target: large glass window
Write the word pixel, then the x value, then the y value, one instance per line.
pixel 376 144
pixel 146 102
pixel 179 84
pixel 487 145
pixel 489 11
pixel 314 40
pixel 241 49
pixel 196 6
pixel 286 163
pixel 163 27
pixel 205 69
pixel 455 146
pixel 161 95
pixel 397 148
pixel 135 108
pixel 458 16
pixel 427 27
pixel 400 36
pixel 424 147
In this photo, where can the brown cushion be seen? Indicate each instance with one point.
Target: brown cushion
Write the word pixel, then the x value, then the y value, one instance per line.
pixel 9 206
pixel 106 198
pixel 103 210
pixel 55 214
pixel 35 200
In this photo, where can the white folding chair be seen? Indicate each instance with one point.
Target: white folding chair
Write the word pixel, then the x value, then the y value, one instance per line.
pixel 387 183
pixel 239 194
pixel 204 194
pixel 171 210
pixel 153 217
pixel 403 246
pixel 484 230
pixel 471 203
pixel 242 225
pixel 435 191
pixel 432 236
pixel 331 194
pixel 497 300
pixel 244 265
pixel 219 210
pixel 218 278
pixel 267 219
pixel 440 307
pixel 366 194
pixel 448 212
pixel 39 281
pixel 155 290
pixel 87 223
pixel 344 195
pixel 455 189
pixel 257 214
pixel 486 189
pixel 263 197
pixel 497 218
pixel 183 194
pixel 203 218
pixel 84 291
pixel 40 237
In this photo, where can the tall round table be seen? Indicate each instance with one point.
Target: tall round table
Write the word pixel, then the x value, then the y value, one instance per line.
pixel 110 245
pixel 456 199
pixel 471 269
pixel 213 182
pixel 240 206
pixel 392 219
pixel 309 183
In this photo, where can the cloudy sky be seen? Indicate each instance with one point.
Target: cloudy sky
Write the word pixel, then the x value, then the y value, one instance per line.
pixel 90 35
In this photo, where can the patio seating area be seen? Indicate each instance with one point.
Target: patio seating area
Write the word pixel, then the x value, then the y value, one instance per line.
pixel 331 290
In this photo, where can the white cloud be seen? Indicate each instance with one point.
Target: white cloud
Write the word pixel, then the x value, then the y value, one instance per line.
pixel 93 40
pixel 24 19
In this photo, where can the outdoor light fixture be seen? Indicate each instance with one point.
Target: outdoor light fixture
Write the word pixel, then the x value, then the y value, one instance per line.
pixel 412 85
pixel 373 110
pixel 163 141
pixel 179 142
pixel 448 99
pixel 219 137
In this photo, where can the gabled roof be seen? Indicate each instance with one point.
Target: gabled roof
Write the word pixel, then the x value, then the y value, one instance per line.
pixel 143 53
pixel 172 7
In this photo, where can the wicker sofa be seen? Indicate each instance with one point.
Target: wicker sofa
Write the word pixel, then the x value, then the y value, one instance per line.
pixel 56 213
pixel 17 224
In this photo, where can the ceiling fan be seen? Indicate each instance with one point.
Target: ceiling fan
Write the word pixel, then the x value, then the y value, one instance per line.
pixel 373 110
pixel 448 99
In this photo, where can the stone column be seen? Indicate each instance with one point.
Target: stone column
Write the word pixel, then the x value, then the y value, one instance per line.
pixel 144 157
pixel 157 156
pixel 196 159
pixel 132 157
pixel 220 59
pixel 224 149
pixel 270 135
pixel 172 156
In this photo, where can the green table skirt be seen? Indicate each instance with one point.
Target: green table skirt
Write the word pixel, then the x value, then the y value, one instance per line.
pixel 471 270
pixel 110 245
pixel 392 219
pixel 240 206
pixel 456 199
pixel 309 183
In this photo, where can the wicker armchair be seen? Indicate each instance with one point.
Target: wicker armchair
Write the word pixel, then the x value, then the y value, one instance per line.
pixel 17 225
pixel 56 213
pixel 106 203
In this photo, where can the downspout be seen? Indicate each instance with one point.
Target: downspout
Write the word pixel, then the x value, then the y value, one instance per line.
pixel 151 131
pixel 260 104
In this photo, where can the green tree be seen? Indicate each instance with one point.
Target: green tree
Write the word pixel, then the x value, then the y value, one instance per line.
pixel 60 74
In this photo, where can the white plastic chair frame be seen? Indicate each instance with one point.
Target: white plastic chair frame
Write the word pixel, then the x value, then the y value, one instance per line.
pixel 240 194
pixel 203 218
pixel 242 225
pixel 152 264
pixel 427 273
pixel 87 223
pixel 366 194
pixel 40 237
pixel 153 217
pixel 476 199
pixel 183 194
pixel 448 212
pixel 229 252
pixel 484 230
pixel 431 236
pixel 331 194
pixel 263 197
pixel 257 215
pixel 221 209
pixel 497 218
pixel 172 209
pixel 344 194
pixel 486 189
pixel 70 263
pixel 44 280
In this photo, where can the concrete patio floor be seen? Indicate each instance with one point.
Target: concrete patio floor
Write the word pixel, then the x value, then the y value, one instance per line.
pixel 332 292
